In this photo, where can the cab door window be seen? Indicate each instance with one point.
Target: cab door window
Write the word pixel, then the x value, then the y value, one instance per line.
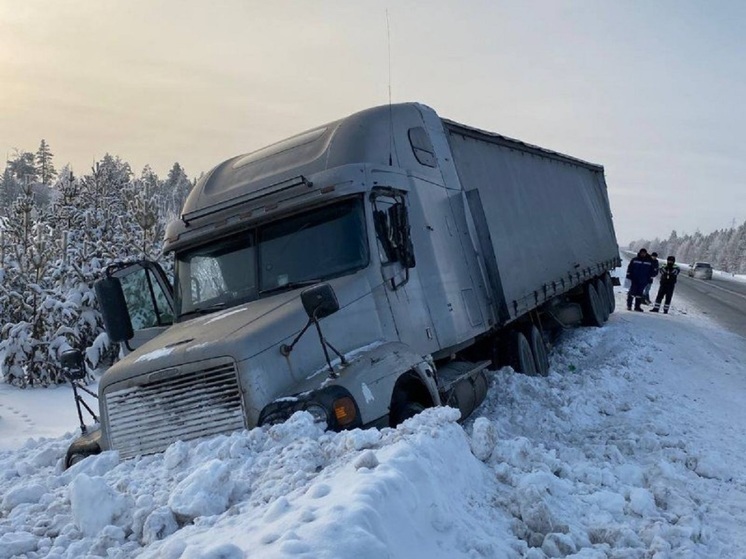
pixel 392 228
pixel 393 237
pixel 149 305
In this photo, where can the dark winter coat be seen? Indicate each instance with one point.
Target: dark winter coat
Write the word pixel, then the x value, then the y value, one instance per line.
pixel 668 274
pixel 656 265
pixel 640 270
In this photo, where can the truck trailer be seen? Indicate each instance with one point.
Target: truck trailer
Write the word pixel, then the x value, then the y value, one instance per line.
pixel 361 271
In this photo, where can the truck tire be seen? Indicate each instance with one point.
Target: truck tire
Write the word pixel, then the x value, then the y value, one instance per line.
pixel 539 351
pixel 410 397
pixel 74 459
pixel 610 290
pixel 404 411
pixel 592 311
pixel 603 294
pixel 521 356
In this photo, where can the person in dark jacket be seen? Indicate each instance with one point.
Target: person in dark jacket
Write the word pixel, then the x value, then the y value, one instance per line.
pixel 668 274
pixel 646 292
pixel 640 274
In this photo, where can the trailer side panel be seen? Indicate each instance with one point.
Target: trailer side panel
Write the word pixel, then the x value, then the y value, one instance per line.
pixel 547 216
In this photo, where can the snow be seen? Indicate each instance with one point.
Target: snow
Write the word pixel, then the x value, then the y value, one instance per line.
pixel 155 354
pixel 632 447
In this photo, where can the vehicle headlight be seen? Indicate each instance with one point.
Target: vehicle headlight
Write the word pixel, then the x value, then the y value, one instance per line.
pixel 333 406
pixel 318 412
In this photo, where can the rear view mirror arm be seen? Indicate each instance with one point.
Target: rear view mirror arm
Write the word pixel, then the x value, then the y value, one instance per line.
pixel 324 344
pixel 318 301
pixel 73 366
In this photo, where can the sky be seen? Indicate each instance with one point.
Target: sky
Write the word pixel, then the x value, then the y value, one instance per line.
pixel 632 447
pixel 651 90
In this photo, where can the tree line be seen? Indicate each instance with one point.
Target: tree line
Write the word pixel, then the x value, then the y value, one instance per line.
pixel 724 249
pixel 58 232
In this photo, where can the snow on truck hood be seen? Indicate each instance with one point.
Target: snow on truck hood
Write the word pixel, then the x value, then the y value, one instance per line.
pixel 260 323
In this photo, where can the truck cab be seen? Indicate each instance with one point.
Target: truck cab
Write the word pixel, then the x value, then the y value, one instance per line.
pixel 364 215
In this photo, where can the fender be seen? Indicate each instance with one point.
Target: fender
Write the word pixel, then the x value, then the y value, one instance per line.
pixel 371 374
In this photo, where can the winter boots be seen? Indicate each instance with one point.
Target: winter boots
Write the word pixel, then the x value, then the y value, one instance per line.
pixel 638 302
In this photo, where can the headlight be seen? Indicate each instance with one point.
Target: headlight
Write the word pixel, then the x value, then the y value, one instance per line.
pixel 332 405
pixel 318 412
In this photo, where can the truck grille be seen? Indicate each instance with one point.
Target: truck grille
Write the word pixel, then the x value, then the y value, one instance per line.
pixel 181 404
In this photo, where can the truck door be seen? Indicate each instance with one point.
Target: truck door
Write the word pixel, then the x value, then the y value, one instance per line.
pixel 149 296
pixel 402 286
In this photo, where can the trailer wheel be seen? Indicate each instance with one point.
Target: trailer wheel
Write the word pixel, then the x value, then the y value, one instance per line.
pixel 603 294
pixel 521 356
pixel 592 312
pixel 539 351
pixel 610 290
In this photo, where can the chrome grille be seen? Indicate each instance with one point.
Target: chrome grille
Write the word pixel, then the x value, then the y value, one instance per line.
pixel 183 405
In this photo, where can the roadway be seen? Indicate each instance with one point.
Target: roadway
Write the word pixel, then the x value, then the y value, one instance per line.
pixel 721 299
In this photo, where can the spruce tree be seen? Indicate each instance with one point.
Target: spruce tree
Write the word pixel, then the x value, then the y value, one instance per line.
pixel 44 165
pixel 176 188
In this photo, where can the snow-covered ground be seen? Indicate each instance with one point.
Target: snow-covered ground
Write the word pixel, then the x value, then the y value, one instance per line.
pixel 633 447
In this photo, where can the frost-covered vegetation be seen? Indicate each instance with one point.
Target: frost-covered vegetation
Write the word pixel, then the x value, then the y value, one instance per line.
pixel 725 249
pixel 58 232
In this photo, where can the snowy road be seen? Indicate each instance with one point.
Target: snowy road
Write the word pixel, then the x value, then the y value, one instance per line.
pixel 721 299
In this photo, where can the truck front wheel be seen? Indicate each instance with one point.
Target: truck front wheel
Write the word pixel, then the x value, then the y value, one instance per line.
pixel 404 411
pixel 410 397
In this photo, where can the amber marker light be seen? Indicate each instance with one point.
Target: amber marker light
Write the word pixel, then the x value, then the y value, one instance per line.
pixel 344 411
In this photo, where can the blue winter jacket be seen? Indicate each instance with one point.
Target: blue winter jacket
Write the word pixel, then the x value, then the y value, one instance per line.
pixel 640 271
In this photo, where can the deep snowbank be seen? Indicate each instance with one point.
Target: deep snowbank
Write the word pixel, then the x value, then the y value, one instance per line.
pixel 631 448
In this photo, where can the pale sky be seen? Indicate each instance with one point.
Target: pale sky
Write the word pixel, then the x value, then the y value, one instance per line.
pixel 652 90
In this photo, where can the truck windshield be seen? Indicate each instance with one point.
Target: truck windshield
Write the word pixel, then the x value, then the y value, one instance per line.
pixel 285 254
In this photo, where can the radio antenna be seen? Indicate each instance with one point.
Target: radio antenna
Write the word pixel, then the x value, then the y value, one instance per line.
pixel 391 116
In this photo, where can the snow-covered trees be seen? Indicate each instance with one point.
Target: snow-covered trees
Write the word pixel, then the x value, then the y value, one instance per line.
pixel 50 255
pixel 22 166
pixel 175 190
pixel 24 291
pixel 725 249
pixel 10 189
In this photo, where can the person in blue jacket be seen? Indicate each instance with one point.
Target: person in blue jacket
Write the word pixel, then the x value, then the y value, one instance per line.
pixel 640 273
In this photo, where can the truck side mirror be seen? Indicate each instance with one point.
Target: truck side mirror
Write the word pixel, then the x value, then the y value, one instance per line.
pixel 72 364
pixel 114 309
pixel 319 301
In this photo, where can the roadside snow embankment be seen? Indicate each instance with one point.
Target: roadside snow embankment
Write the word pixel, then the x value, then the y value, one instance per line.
pixel 631 448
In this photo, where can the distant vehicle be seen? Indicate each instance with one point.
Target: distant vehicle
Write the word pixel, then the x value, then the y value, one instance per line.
pixel 700 270
pixel 426 249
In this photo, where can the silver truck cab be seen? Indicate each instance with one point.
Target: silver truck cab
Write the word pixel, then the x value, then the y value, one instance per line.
pixel 365 214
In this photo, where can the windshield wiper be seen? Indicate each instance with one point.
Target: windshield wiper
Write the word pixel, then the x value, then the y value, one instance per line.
pixel 203 310
pixel 290 285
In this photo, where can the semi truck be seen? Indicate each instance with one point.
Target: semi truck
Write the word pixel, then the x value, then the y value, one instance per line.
pixel 361 271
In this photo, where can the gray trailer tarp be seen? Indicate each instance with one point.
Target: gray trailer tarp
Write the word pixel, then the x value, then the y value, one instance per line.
pixel 546 215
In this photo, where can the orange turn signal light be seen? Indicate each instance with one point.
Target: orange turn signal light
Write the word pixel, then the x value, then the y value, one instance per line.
pixel 344 410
